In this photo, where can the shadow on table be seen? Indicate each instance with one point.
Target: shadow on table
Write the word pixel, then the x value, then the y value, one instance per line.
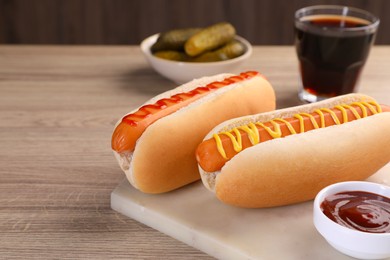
pixel 145 81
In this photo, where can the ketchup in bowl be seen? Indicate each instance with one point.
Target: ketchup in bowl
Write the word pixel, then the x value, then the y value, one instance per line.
pixel 359 210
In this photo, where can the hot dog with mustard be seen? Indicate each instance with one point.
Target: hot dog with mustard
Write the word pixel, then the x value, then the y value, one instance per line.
pixel 287 156
pixel 155 143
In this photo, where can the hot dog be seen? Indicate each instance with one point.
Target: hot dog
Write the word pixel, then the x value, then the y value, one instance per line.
pixel 155 143
pixel 287 156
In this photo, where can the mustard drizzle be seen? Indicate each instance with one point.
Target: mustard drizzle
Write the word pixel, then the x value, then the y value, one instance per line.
pixel 254 136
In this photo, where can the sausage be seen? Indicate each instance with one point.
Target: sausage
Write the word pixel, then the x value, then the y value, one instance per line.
pixel 133 125
pixel 155 143
pixel 211 159
pixel 294 169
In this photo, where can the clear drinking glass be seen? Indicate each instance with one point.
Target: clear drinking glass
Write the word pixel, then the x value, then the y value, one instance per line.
pixel 332 44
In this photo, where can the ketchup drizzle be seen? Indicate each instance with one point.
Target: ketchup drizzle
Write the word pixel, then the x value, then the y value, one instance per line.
pixel 149 109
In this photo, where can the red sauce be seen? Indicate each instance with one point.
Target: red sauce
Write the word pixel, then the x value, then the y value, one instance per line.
pixel 133 125
pixel 147 110
pixel 359 210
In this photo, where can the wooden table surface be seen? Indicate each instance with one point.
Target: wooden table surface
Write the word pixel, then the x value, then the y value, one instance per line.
pixel 58 105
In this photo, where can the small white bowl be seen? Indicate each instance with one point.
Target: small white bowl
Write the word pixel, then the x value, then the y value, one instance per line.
pixel 181 72
pixel 351 242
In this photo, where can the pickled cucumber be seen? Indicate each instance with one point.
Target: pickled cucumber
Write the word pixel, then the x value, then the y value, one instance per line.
pixel 174 39
pixel 231 50
pixel 172 55
pixel 209 38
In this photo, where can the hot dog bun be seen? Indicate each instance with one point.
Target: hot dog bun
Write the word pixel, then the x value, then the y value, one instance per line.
pixel 293 169
pixel 163 158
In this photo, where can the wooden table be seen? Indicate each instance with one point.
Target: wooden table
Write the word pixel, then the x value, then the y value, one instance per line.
pixel 58 106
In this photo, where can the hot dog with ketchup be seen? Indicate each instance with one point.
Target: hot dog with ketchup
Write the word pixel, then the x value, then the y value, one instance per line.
pixel 155 143
pixel 287 156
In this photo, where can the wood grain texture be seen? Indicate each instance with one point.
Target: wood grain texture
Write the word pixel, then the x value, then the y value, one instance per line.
pixel 129 21
pixel 58 106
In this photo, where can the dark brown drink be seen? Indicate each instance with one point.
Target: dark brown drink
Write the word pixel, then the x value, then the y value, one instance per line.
pixel 332 50
pixel 331 65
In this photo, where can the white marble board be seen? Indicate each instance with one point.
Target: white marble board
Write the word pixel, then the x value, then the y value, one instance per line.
pixel 194 216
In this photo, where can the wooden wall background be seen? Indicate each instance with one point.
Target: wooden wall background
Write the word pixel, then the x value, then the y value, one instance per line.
pixel 129 21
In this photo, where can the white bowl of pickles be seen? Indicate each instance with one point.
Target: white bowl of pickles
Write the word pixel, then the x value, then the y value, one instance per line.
pixel 185 54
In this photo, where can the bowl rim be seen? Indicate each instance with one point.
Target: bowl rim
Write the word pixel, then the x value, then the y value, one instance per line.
pixel 348 186
pixel 148 41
